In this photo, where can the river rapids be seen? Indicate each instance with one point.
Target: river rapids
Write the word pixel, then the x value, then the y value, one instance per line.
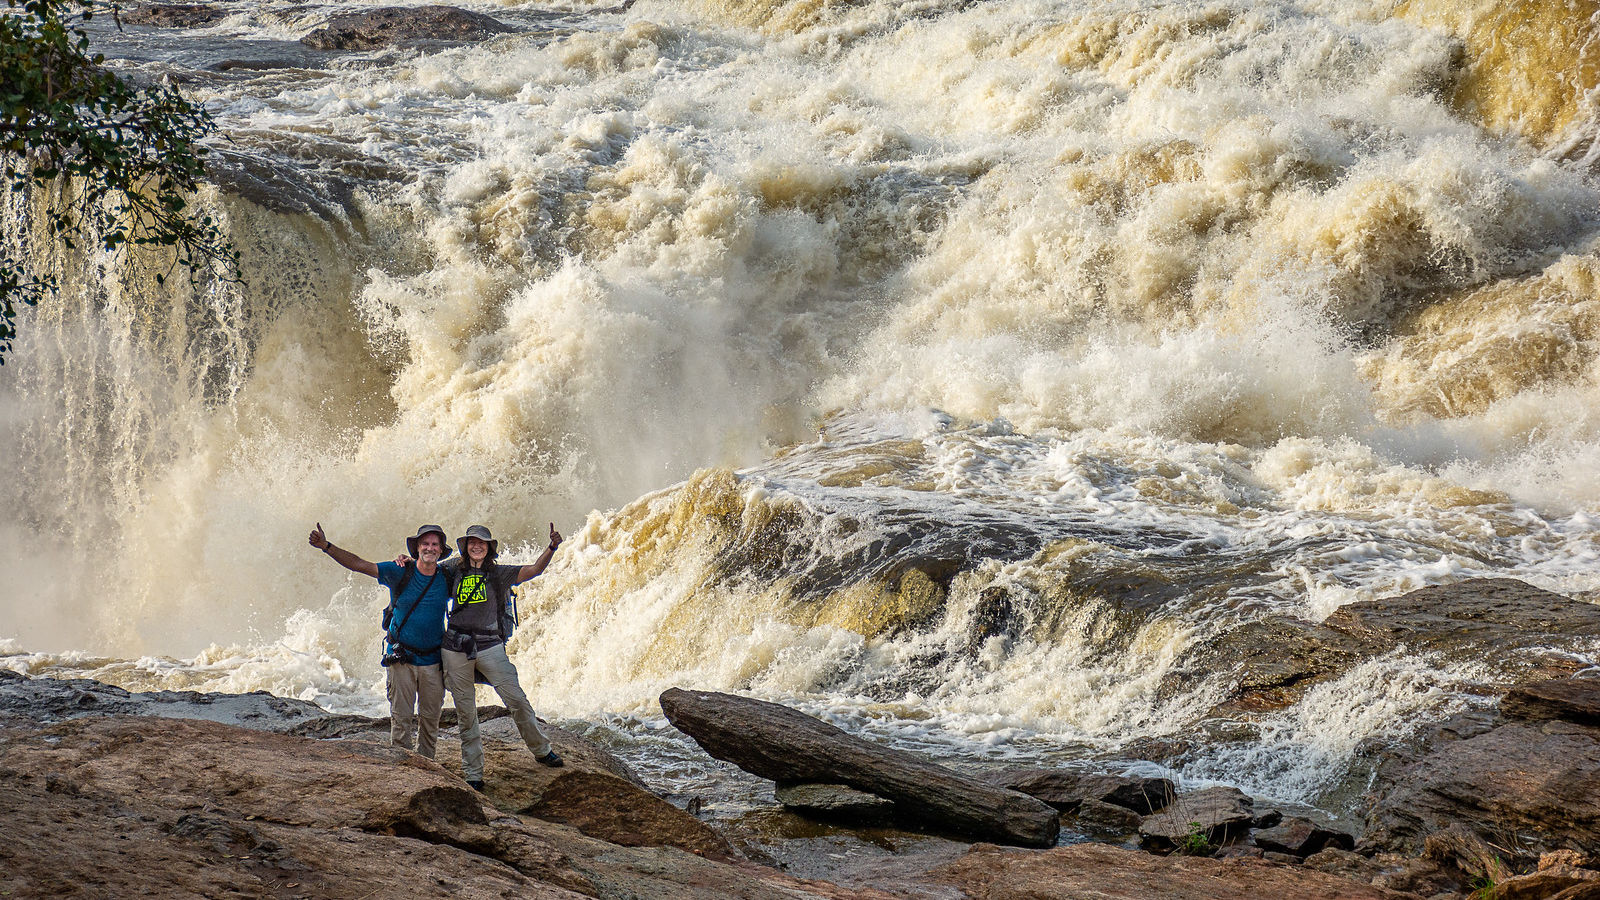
pixel 947 369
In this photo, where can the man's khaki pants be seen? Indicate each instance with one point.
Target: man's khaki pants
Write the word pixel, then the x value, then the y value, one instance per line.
pixel 502 676
pixel 416 694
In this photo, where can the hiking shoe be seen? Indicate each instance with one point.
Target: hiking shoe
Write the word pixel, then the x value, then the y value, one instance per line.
pixel 475 785
pixel 551 759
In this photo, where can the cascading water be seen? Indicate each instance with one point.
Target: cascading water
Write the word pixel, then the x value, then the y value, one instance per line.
pixel 1010 350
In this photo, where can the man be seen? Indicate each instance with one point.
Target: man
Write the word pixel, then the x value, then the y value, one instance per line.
pixel 414 622
pixel 474 643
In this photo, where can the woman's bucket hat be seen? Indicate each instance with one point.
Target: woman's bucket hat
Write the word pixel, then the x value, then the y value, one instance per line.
pixel 481 533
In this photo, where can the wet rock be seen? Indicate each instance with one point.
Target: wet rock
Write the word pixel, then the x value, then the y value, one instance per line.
pixel 1065 790
pixel 1301 837
pixel 52 700
pixel 1105 820
pixel 1104 872
pixel 1217 814
pixel 832 801
pixel 1273 661
pixel 1511 630
pixel 174 15
pixel 1537 780
pixel 403 25
pixel 776 742
pixel 1514 627
pixel 1569 699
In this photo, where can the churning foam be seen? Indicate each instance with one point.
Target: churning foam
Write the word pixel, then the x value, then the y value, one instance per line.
pixel 1071 296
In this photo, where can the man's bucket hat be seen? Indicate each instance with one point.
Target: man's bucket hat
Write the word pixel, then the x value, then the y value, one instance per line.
pixel 482 534
pixel 411 542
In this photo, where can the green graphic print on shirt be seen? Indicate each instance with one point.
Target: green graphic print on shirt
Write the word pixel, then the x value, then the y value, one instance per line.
pixel 473 589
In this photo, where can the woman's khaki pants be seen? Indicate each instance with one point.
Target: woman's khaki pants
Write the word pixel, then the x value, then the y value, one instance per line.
pixel 502 676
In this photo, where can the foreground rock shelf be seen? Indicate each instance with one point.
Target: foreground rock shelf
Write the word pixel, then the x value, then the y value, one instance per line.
pixel 108 793
pixel 102 798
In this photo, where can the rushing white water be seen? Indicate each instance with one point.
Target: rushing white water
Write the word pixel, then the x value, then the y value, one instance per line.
pixel 1227 308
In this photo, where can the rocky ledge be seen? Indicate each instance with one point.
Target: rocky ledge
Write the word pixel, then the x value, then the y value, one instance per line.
pixel 111 793
pixel 106 793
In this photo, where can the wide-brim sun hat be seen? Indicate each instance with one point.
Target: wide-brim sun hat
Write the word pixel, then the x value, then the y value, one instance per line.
pixel 444 540
pixel 481 533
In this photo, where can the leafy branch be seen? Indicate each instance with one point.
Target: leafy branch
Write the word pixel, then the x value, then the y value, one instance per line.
pixel 116 161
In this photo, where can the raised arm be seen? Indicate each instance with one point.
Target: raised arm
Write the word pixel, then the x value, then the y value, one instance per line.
pixel 340 555
pixel 538 566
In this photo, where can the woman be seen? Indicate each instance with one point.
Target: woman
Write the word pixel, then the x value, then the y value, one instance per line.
pixel 478 622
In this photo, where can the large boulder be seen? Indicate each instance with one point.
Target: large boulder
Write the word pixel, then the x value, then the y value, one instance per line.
pixel 1301 837
pixel 786 745
pixel 389 26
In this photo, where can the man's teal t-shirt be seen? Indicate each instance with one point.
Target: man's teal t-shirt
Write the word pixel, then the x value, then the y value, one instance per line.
pixel 425 626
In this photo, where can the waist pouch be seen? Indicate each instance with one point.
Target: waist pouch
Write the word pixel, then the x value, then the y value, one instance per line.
pixel 399 653
pixel 470 644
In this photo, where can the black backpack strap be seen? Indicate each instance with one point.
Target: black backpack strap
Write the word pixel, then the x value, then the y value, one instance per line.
pixel 395 632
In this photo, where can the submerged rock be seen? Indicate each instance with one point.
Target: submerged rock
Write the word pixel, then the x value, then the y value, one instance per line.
pixel 786 745
pixel 399 25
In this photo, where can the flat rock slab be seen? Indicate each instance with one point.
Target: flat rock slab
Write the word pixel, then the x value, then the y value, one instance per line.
pixel 389 26
pixel 1570 699
pixel 1102 872
pixel 1470 618
pixel 832 801
pixel 53 700
pixel 1301 837
pixel 1219 814
pixel 786 745
pixel 1537 780
pixel 126 806
pixel 1065 790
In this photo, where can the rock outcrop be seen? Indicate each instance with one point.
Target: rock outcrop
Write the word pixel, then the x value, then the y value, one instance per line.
pixel 1531 779
pixel 1104 872
pixel 174 15
pixel 1510 630
pixel 786 745
pixel 389 26
pixel 111 806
